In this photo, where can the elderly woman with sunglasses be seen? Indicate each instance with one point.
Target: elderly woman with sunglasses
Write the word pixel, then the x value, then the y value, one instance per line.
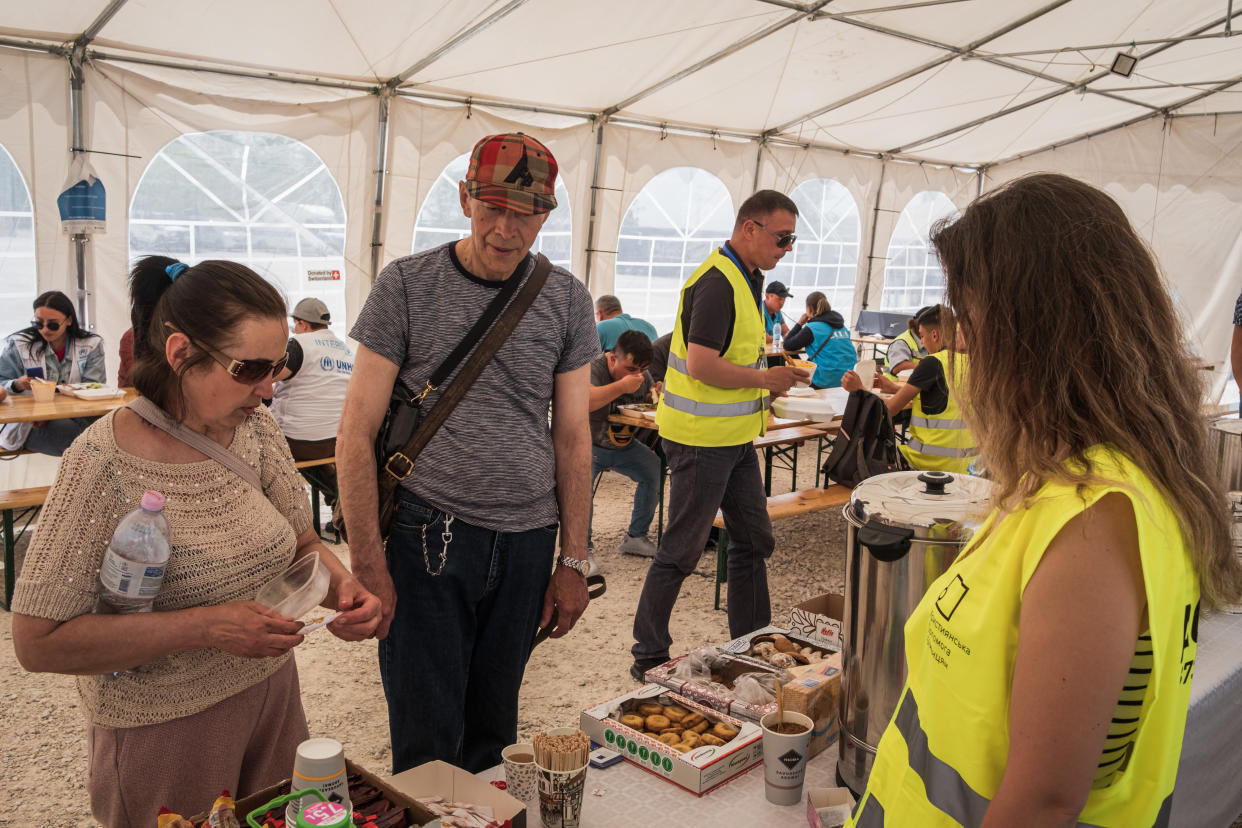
pixel 55 348
pixel 201 694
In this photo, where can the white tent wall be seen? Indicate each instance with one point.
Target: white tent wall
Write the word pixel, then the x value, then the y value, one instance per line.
pixel 1180 182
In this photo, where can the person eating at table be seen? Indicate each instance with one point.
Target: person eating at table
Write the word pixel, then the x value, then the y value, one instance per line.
pixel 200 694
pixel 905 352
pixel 1049 668
pixel 939 437
pixel 822 333
pixel 53 348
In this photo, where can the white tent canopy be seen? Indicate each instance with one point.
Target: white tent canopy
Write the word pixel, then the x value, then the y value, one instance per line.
pixel 946 96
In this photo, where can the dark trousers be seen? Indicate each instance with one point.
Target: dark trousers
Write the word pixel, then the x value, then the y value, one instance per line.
pixel 453 660
pixel 324 476
pixel 702 480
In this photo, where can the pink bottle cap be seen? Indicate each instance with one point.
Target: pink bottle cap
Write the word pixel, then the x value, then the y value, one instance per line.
pixel 153 501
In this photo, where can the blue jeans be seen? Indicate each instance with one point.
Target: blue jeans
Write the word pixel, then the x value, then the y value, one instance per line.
pixel 56 435
pixel 702 480
pixel 453 660
pixel 640 464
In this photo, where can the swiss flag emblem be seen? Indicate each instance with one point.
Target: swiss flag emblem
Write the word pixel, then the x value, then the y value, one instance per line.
pixel 336 275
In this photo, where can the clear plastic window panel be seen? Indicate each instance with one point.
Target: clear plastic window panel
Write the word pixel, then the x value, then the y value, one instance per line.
pixel 264 200
pixel 912 274
pixel 825 257
pixel 18 279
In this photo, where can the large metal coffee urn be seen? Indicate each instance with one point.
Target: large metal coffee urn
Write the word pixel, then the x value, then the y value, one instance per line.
pixel 905 528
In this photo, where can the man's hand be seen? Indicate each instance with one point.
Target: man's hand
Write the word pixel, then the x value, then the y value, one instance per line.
pixel 567 595
pixel 378 582
pixel 780 379
pixel 361 611
pixel 629 383
pixel 850 381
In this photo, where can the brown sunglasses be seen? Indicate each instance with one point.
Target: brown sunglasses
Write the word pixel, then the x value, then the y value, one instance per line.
pixel 245 371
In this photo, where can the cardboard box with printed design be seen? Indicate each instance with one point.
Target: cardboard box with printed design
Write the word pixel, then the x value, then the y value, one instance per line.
pixel 815 691
pixel 698 770
pixel 818 620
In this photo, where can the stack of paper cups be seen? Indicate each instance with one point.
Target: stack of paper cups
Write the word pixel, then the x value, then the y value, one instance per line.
pixel 319 764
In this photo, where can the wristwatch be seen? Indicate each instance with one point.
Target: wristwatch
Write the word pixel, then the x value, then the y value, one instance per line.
pixel 581 566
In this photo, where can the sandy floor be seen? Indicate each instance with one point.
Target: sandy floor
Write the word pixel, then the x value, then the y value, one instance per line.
pixel 42 751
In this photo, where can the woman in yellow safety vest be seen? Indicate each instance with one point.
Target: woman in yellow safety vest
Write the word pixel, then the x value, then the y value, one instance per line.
pixel 905 352
pixel 938 437
pixel 1049 669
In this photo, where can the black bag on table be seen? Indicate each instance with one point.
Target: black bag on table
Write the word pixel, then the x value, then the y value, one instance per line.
pixel 866 444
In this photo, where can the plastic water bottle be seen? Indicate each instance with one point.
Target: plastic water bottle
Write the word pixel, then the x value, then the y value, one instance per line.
pixel 776 337
pixel 133 567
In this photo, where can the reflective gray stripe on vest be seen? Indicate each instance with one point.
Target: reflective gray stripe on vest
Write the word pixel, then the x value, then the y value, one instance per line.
pixel 941 451
pixel 705 409
pixel 871 815
pixel 678 364
pixel 945 787
pixel 924 422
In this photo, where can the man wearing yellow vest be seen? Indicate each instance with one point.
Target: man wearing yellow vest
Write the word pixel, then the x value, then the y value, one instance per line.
pixel 939 439
pixel 714 405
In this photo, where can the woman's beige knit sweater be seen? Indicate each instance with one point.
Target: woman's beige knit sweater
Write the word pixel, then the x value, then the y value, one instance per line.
pixel 228 540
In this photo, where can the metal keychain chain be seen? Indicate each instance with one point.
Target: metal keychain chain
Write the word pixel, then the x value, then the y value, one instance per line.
pixel 447 537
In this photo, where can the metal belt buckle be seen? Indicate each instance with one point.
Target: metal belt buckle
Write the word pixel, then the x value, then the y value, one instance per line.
pixel 399 457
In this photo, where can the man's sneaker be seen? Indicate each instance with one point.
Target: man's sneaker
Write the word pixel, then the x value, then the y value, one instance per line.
pixel 639 668
pixel 639 546
pixel 592 567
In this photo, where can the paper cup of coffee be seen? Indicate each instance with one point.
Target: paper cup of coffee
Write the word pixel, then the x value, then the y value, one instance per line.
pixel 319 764
pixel 866 372
pixel 43 390
pixel 520 782
pixel 786 741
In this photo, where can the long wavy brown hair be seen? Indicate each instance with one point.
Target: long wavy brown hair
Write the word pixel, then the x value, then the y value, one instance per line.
pixel 1074 343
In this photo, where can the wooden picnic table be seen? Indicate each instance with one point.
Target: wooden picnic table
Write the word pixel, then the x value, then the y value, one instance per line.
pixel 22 408
pixel 639 421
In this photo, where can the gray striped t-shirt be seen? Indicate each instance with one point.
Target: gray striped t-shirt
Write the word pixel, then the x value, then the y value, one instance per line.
pixel 491 463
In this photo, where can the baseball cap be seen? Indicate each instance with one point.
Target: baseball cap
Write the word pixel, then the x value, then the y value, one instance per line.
pixel 513 171
pixel 312 310
pixel 778 289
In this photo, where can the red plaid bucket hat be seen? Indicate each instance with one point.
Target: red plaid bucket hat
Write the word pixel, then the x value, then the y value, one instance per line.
pixel 513 171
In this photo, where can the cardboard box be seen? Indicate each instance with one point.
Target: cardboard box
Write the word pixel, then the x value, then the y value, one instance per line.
pixel 456 785
pixel 414 812
pixel 698 771
pixel 815 691
pixel 838 801
pixel 818 621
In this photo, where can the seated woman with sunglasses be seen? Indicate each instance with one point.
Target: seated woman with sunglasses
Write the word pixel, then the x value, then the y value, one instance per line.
pixel 55 348
pixel 205 694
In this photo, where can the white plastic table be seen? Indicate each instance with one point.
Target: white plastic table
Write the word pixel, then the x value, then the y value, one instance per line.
pixel 623 795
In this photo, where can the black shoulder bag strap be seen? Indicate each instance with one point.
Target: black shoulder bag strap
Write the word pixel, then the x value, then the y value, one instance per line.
pixel 398 465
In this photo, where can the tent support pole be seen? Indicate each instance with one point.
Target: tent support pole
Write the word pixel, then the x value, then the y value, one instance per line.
pixel 590 244
pixel 78 240
pixel 875 223
pixel 381 180
pixel 754 187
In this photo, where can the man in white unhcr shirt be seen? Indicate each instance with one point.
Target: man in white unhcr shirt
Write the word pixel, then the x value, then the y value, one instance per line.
pixel 471 566
pixel 310 391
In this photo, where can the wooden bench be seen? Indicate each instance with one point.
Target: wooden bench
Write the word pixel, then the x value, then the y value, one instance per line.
pixel 319 486
pixel 12 501
pixel 804 502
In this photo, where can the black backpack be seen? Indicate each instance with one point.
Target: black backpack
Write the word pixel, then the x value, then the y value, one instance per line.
pixel 866 444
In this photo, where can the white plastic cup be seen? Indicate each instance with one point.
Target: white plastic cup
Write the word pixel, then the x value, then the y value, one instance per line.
pixel 520 774
pixel 784 757
pixel 319 764
pixel 44 390
pixel 866 372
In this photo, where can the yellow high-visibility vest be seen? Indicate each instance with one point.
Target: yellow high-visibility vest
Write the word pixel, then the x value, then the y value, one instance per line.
pixel 941 759
pixel 916 352
pixel 942 442
pixel 697 414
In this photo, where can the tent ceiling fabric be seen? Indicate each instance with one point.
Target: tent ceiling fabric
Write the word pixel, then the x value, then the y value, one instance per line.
pixel 971 82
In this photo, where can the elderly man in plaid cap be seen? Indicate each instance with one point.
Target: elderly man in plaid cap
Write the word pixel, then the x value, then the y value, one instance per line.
pixel 471 568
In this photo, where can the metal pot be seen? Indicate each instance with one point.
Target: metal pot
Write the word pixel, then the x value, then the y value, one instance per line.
pixel 1225 445
pixel 905 528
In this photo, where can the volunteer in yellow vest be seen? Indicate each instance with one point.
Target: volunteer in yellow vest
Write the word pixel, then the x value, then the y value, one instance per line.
pixel 1049 668
pixel 939 439
pixel 713 406
pixel 905 352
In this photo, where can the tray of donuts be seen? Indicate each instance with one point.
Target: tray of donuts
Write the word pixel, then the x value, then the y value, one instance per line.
pixel 675 737
pixel 722 681
pixel 777 648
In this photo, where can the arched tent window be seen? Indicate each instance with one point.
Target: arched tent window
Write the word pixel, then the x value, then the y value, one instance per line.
pixel 825 257
pixel 264 200
pixel 18 279
pixel 440 219
pixel 912 274
pixel 668 230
